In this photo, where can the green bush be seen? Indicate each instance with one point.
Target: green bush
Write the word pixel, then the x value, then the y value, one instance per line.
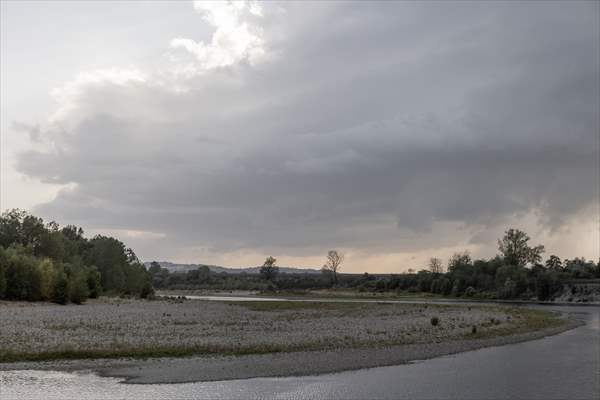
pixel 78 288
pixel 2 280
pixel 60 288
pixel 22 275
pixel 93 283
pixel 435 321
pixel 147 290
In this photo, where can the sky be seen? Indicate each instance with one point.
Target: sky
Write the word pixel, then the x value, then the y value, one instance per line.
pixel 223 132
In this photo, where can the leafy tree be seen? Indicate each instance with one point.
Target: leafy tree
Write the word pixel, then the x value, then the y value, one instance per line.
pixel 78 287
pixel 93 282
pixel 47 271
pixel 22 276
pixel 269 270
pixel 60 288
pixel 131 257
pixel 109 256
pixel 554 263
pixel 51 244
pixel 32 230
pixel 137 280
pixel 75 245
pixel 459 260
pixel 515 250
pixel 10 227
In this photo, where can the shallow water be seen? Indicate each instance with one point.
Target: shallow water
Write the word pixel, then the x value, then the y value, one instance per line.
pixel 231 298
pixel 216 297
pixel 565 366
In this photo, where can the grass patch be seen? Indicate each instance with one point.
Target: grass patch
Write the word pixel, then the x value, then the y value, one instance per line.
pixel 353 295
pixel 522 320
pixel 295 305
pixel 174 351
pixel 138 353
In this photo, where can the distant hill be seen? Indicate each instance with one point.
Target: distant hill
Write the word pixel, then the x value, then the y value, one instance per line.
pixel 172 267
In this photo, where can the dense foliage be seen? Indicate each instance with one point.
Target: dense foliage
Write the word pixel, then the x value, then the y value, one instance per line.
pixel 41 261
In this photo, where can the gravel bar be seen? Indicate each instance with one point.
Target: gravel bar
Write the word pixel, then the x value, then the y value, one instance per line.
pixel 346 336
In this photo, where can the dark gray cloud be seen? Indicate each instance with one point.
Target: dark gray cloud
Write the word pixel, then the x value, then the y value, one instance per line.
pixel 370 124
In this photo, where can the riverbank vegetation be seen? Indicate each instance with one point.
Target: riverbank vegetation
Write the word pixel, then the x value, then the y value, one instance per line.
pixel 517 272
pixel 42 261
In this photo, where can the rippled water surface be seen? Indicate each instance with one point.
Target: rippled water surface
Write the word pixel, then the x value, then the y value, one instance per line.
pixel 565 366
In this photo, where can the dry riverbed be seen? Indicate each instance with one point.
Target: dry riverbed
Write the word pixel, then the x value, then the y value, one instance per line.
pixel 226 340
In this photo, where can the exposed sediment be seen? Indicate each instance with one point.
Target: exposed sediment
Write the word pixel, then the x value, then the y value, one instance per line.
pixel 243 340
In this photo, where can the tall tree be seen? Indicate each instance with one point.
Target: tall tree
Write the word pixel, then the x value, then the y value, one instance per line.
pixel 435 265
pixel 10 227
pixel 554 263
pixel 269 270
pixel 458 260
pixel 333 263
pixel 109 256
pixel 516 251
pixel 154 268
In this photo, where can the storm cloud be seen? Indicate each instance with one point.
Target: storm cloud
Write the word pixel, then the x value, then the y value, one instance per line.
pixel 296 128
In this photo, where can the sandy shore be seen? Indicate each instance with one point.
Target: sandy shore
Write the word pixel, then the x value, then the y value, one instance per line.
pixel 253 339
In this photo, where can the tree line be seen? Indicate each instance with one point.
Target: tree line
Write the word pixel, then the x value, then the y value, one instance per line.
pixel 268 278
pixel 516 272
pixel 43 261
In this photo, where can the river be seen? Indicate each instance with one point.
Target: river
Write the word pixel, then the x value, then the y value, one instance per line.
pixel 564 366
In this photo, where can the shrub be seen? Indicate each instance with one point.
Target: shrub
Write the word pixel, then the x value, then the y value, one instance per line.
pixel 78 288
pixel 473 329
pixel 22 275
pixel 2 281
pixel 60 288
pixel 435 321
pixel 147 290
pixel 93 283
pixel 46 270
